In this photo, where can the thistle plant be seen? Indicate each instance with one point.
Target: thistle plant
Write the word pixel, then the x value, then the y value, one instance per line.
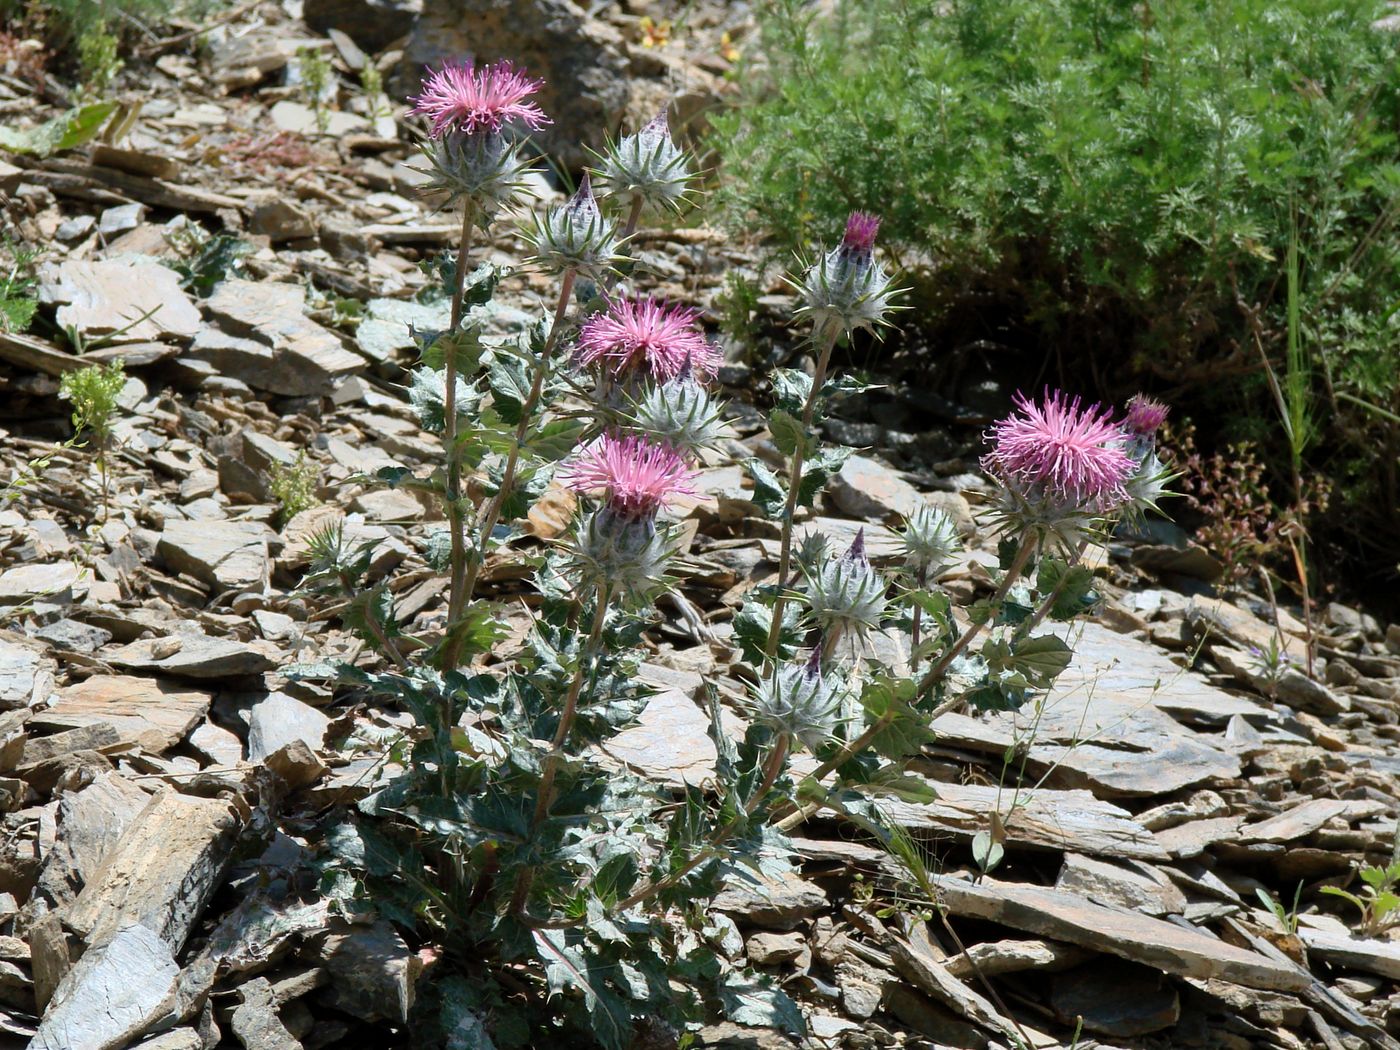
pixel 540 871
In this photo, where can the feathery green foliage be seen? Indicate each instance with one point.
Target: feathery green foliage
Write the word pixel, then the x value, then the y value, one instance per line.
pixel 1115 186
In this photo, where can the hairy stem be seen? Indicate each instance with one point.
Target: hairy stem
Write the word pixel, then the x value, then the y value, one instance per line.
pixel 545 799
pixel 794 485
pixel 492 514
pixel 456 599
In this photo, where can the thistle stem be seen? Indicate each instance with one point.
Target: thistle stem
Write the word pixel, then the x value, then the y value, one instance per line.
pixel 456 599
pixel 545 799
pixel 634 217
pixel 794 485
pixel 492 513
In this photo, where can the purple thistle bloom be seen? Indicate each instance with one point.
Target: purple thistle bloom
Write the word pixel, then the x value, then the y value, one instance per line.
pixel 1145 415
pixel 1074 453
pixel 634 334
pixel 635 476
pixel 463 97
pixel 861 229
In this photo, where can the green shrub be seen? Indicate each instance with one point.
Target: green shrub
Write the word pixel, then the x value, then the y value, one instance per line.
pixel 1112 186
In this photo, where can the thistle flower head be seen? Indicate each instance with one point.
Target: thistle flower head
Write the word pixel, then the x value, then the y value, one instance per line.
pixel 647 165
pixel 575 236
pixel 485 168
pixel 474 99
pixel 629 555
pixel 846 593
pixel 634 475
pixel 799 701
pixel 1144 416
pixel 681 413
pixel 634 335
pixel 846 289
pixel 930 541
pixel 1072 453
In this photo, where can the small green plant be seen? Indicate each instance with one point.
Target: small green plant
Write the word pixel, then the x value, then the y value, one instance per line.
pixel 93 392
pixel 97 59
pixel 293 485
pixel 1287 917
pixel 1177 193
pixel 17 288
pixel 737 306
pixel 206 260
pixel 1377 902
pixel 316 80
pixel 372 84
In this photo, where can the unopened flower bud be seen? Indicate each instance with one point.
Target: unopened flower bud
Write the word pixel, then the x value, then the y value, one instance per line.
pixel 576 236
pixel 846 289
pixel 847 593
pixel 799 701
pixel 647 165
pixel 930 542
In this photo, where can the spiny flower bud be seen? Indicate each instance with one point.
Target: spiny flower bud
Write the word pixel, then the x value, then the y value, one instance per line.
pixel 799 701
pixel 930 542
pixel 846 289
pixel 484 168
pixel 847 593
pixel 627 554
pixel 647 165
pixel 680 413
pixel 1149 483
pixel 575 236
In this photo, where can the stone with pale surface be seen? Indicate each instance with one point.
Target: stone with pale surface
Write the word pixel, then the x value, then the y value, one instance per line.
pixel 1117 931
pixel 103 297
pixel 227 555
pixel 153 713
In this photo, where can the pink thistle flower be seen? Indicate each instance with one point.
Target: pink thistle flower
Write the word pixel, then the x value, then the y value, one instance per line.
pixel 1145 415
pixel 463 97
pixel 635 476
pixel 861 229
pixel 634 334
pixel 1074 453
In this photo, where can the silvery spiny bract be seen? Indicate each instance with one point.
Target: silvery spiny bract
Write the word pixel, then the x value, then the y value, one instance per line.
pixel 647 165
pixel 628 555
pixel 930 542
pixel 847 592
pixel 799 701
pixel 680 412
pixel 575 235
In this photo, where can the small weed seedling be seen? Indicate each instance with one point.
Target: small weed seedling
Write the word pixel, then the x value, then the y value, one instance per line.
pixel 1287 917
pixel 93 392
pixel 316 79
pixel 97 55
pixel 17 301
pixel 1377 902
